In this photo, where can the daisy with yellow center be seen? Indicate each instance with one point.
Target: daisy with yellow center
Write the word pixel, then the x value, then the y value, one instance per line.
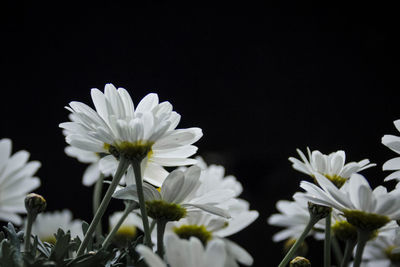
pixel 366 209
pixel 332 166
pixel 116 128
pixel 144 139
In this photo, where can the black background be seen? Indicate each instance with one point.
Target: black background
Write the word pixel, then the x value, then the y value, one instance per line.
pixel 260 81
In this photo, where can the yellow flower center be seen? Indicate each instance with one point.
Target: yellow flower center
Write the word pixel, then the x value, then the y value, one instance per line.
pixel 124 235
pixel 336 180
pixel 199 231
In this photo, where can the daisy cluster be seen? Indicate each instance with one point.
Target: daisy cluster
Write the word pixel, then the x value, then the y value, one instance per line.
pixel 361 227
pixel 172 217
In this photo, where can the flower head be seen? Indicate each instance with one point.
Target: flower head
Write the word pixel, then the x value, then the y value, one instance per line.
pixel 384 250
pixel 177 196
pixel 16 180
pixel 293 216
pixel 332 166
pixel 207 227
pixel 117 129
pixel 363 207
pixel 392 142
pixel 48 223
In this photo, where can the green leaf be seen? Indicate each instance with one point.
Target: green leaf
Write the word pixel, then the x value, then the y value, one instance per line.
pixel 61 247
pixel 14 238
pixel 10 256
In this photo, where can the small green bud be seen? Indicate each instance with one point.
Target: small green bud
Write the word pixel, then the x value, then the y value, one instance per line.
pixel 318 211
pixel 300 262
pixel 35 203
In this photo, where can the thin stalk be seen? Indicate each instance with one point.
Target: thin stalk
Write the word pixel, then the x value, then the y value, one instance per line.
pixel 28 232
pixel 362 238
pixel 152 225
pixel 160 237
pixel 128 209
pixel 98 189
pixel 336 249
pixel 138 178
pixel 299 241
pixel 348 251
pixel 122 166
pixel 327 241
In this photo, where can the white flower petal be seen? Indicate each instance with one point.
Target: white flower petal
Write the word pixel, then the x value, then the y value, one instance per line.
pixel 392 164
pixel 153 260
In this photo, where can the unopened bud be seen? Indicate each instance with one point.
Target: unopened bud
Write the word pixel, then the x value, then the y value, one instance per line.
pixel 35 203
pixel 300 262
pixel 318 211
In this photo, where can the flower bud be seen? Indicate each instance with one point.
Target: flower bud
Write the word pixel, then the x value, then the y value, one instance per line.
pixel 300 262
pixel 318 211
pixel 35 203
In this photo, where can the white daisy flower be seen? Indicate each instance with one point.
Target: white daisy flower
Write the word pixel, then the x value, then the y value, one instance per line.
pixel 178 196
pixel 16 181
pixel 48 223
pixel 294 217
pixel 392 142
pixel 117 129
pixel 363 207
pixel 332 166
pixel 207 227
pixel 384 250
pixel 182 253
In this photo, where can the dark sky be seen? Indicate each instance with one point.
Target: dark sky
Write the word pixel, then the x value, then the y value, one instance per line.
pixel 260 81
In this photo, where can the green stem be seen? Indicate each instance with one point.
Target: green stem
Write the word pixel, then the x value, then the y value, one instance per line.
pixel 313 220
pixel 98 189
pixel 348 251
pixel 28 232
pixel 138 178
pixel 122 166
pixel 160 237
pixel 336 249
pixel 327 241
pixel 128 209
pixel 362 238
pixel 152 225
